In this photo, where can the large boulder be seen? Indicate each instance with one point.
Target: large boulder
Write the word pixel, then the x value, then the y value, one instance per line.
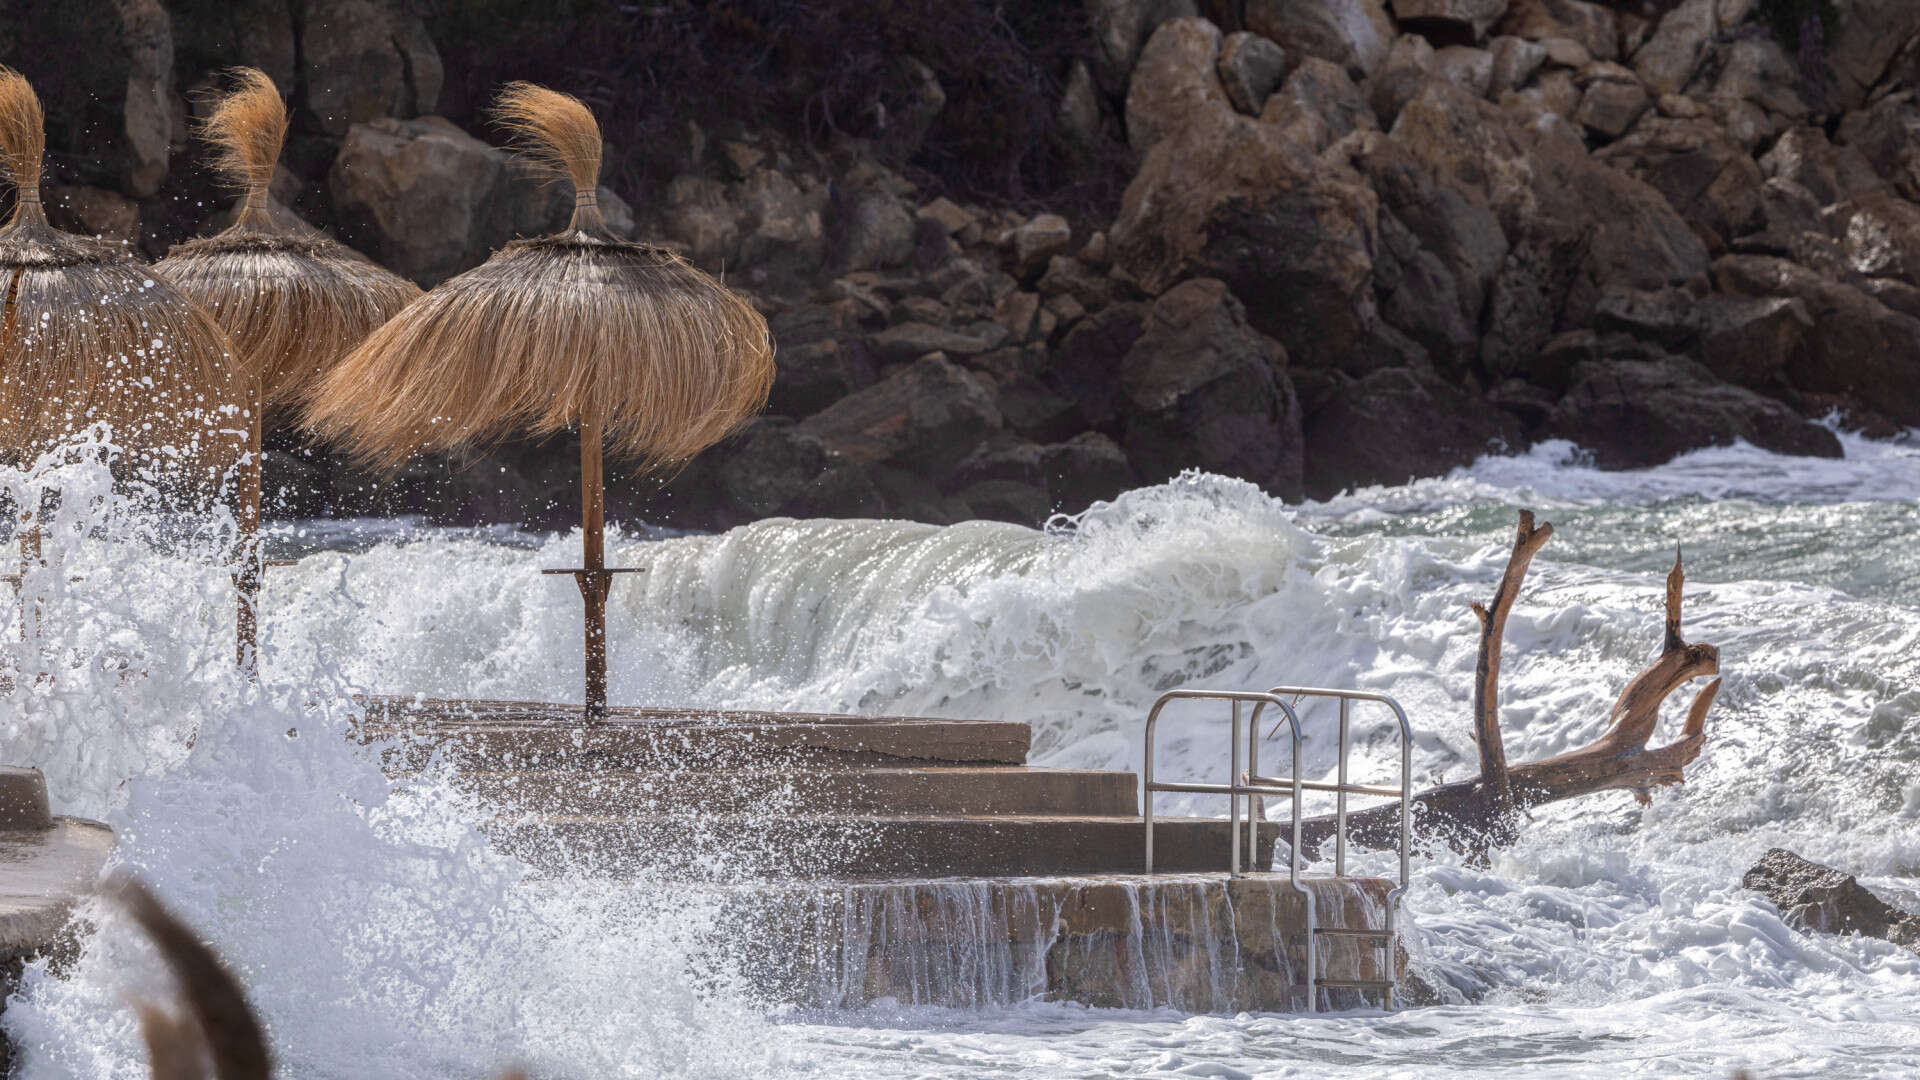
pixel 924 419
pixel 1204 390
pixel 1395 425
pixel 1356 34
pixel 1632 414
pixel 1120 29
pixel 776 470
pixel 104 73
pixel 1175 85
pixel 1291 235
pixel 366 59
pixel 1820 899
pixel 1858 351
pixel 1085 368
pixel 1703 174
pixel 422 196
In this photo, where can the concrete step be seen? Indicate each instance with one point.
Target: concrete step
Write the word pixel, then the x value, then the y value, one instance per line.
pixel 851 846
pixel 938 789
pixel 504 735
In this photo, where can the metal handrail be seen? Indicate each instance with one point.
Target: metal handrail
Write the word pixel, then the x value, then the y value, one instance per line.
pixel 1254 787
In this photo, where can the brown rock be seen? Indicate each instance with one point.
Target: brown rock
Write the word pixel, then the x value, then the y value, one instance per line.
pixel 1592 25
pixel 93 211
pixel 785 234
pixel 1612 100
pixel 927 418
pixel 1703 174
pixel 422 195
pixel 1450 19
pixel 950 216
pixel 1468 68
pixel 1038 241
pixel 1879 235
pixel 1871 33
pixel 1749 340
pixel 1085 368
pixel 1634 414
pixel 1121 28
pixel 1820 899
pixel 1566 52
pixel 1400 77
pixel 1758 70
pixel 774 469
pixel 1887 138
pixel 1395 425
pixel 912 339
pixel 1204 390
pixel 1829 173
pixel 1356 34
pixel 1515 60
pixel 1175 86
pixel 1290 234
pixel 1250 67
pixel 820 358
pixel 366 59
pixel 701 216
pixel 874 231
pixel 1668 59
pixel 1317 105
pixel 1082 117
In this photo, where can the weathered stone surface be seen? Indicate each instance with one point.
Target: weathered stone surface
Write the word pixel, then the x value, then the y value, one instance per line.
pixel 421 194
pixel 1758 70
pixel 700 216
pixel 912 339
pixel 1857 349
pixel 366 59
pixel 93 211
pixel 1669 58
pixel 786 235
pixel 1401 76
pixel 1204 390
pixel 777 470
pixel 1394 425
pixel 951 217
pixel 1870 34
pixel 1887 136
pixel 1290 235
pixel 1820 899
pixel 1086 367
pixel 1704 175
pixel 1468 68
pixel 1250 68
pixel 1317 105
pixel 1175 85
pixel 1121 28
pixel 1829 173
pixel 1611 101
pixel 874 230
pixel 1068 276
pixel 1356 34
pixel 1515 60
pixel 1638 413
pixel 1592 25
pixel 1749 340
pixel 1450 18
pixel 1879 236
pixel 1038 241
pixel 927 418
pixel 819 360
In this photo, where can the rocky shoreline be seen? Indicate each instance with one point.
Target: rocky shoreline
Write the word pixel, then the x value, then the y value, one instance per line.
pixel 1359 242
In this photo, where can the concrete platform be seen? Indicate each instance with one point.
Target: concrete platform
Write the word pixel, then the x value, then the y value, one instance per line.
pixel 524 735
pixel 866 846
pixel 925 789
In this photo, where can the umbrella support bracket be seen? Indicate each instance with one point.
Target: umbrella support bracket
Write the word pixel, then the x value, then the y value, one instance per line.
pixel 601 579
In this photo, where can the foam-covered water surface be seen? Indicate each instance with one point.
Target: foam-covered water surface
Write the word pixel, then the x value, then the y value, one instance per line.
pixel 383 938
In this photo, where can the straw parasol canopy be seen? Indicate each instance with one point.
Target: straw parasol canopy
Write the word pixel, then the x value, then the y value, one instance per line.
pixel 579 330
pixel 292 300
pixel 90 336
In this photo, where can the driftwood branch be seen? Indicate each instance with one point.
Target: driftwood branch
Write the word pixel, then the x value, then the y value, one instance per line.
pixel 1479 812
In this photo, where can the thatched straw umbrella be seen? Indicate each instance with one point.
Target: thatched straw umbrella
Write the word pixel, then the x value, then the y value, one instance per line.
pixel 91 336
pixel 623 341
pixel 292 300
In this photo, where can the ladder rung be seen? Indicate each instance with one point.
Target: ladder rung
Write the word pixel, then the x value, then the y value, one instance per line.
pixel 1356 984
pixel 1337 931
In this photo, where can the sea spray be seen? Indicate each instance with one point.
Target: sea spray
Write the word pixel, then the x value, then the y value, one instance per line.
pixel 377 933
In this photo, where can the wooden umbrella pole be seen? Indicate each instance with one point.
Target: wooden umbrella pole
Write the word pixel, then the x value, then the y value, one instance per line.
pixel 594 578
pixel 246 579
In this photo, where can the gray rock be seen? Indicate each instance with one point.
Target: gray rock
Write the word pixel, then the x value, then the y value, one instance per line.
pixel 1356 34
pixel 1515 60
pixel 1175 85
pixel 1819 899
pixel 1611 101
pixel 1038 241
pixel 1669 58
pixel 366 59
pixel 785 235
pixel 1394 425
pixel 1083 470
pixel 1634 414
pixel 910 340
pixel 925 419
pixel 874 231
pixel 820 358
pixel 1703 174
pixel 1204 390
pixel 1451 18
pixel 1250 68
pixel 423 196
pixel 1068 276
pixel 1829 173
pixel 1081 114
pixel 1085 368
pixel 1749 340
pixel 1870 34
pixel 1121 28
pixel 777 470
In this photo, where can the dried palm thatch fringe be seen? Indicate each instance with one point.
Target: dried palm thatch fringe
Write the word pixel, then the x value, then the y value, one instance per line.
pixel 90 336
pixel 581 326
pixel 292 300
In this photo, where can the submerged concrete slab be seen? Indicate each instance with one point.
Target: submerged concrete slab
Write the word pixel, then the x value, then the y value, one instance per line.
pixel 928 789
pixel 1197 943
pixel 530 735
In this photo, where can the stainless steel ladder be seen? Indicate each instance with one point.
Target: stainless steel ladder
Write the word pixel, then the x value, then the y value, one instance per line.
pixel 1254 788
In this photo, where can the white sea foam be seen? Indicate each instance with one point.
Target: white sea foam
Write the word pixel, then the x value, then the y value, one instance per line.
pixel 1610 939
